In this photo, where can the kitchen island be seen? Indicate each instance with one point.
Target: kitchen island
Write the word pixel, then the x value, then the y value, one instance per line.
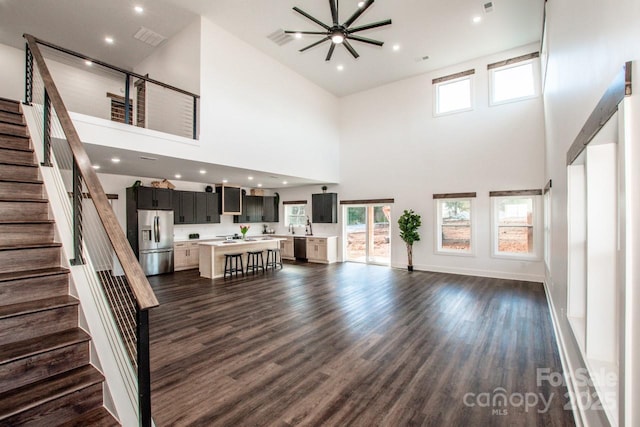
pixel 212 253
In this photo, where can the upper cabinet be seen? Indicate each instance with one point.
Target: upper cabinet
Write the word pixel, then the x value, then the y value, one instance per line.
pixel 270 209
pixel 231 199
pixel 184 207
pixel 324 208
pixel 152 198
pixel 207 205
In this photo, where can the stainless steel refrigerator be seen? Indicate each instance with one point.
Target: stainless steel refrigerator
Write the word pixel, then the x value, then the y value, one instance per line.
pixel 155 241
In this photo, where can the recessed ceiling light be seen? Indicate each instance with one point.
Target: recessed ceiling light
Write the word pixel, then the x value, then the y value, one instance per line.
pixel 360 3
pixel 250 178
pixel 476 19
pixel 259 185
pixel 88 63
pixel 109 40
pixel 202 171
pixel 285 182
pixel 224 181
pixel 96 167
pixel 138 9
pixel 178 176
pixel 396 47
pixel 115 160
pixel 340 67
pixel 298 35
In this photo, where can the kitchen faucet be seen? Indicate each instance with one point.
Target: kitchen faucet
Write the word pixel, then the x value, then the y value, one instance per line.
pixel 291 229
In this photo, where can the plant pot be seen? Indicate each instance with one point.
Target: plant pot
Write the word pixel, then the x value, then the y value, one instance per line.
pixel 410 267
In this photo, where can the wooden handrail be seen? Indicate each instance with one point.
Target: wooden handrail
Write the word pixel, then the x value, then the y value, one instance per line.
pixel 140 287
pixel 109 66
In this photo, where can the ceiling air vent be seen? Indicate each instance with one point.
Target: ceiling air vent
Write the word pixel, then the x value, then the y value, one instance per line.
pixel 149 37
pixel 279 37
pixel 488 7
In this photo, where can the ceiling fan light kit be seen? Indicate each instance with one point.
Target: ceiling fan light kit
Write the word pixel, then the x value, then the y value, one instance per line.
pixel 341 33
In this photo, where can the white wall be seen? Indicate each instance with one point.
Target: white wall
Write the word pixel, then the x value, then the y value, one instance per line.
pixel 11 72
pixel 258 114
pixel 392 146
pixel 588 42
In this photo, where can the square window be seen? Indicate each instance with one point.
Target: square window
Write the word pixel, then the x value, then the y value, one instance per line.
pixel 453 96
pixel 514 82
pixel 516 232
pixel 454 226
pixel 295 215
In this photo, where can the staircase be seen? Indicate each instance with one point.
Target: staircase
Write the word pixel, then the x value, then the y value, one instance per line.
pixel 45 374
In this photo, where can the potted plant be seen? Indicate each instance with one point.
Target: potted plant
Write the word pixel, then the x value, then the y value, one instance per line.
pixel 409 223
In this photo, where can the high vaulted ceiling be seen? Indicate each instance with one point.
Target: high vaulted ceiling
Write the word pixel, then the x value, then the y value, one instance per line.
pixel 443 31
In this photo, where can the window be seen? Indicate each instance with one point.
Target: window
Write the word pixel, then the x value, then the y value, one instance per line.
pixel 516 227
pixel 514 81
pixel 453 93
pixel 295 215
pixel 547 226
pixel 454 225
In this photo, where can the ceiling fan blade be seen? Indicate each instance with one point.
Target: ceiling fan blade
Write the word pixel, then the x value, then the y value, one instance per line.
pixel 370 26
pixel 350 48
pixel 333 46
pixel 306 15
pixel 358 12
pixel 318 33
pixel 334 11
pixel 315 44
pixel 365 40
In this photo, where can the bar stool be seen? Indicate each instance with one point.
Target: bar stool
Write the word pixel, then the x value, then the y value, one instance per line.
pixel 253 257
pixel 274 258
pixel 229 265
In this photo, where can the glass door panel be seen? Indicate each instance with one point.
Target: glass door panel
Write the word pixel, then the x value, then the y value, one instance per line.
pixel 367 231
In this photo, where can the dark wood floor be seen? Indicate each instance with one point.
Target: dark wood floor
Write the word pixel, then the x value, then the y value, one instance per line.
pixel 350 344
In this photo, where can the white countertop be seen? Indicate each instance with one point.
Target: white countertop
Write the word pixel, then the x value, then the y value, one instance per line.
pixel 240 242
pixel 318 236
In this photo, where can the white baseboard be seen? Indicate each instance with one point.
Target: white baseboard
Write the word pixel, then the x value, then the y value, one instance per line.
pixel 474 272
pixel 579 418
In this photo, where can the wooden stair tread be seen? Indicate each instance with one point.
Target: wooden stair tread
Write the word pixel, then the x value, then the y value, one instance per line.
pixel 13 402
pixel 35 306
pixel 21 349
pixel 31 150
pixel 12 101
pixel 30 246
pixel 4 199
pixel 21 181
pixel 98 417
pixel 13 164
pixel 20 221
pixel 28 274
pixel 12 123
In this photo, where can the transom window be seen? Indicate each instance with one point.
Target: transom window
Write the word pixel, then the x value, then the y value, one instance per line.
pixel 517 80
pixel 453 93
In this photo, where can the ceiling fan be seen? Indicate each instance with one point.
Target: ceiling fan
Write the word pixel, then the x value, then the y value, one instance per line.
pixel 341 33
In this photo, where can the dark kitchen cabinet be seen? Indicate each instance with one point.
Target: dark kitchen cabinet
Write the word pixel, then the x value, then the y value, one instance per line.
pixel 324 208
pixel 184 207
pixel 207 208
pixel 251 210
pixel 152 198
pixel 230 200
pixel 269 209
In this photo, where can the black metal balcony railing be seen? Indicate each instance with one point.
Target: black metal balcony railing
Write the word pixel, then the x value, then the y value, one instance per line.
pixel 96 88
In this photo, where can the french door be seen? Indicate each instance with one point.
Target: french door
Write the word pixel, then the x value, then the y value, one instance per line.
pixel 367 233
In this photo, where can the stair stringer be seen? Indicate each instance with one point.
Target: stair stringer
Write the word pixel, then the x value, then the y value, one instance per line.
pixel 108 352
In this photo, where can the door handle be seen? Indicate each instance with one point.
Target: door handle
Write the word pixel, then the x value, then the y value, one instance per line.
pixel 156 228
